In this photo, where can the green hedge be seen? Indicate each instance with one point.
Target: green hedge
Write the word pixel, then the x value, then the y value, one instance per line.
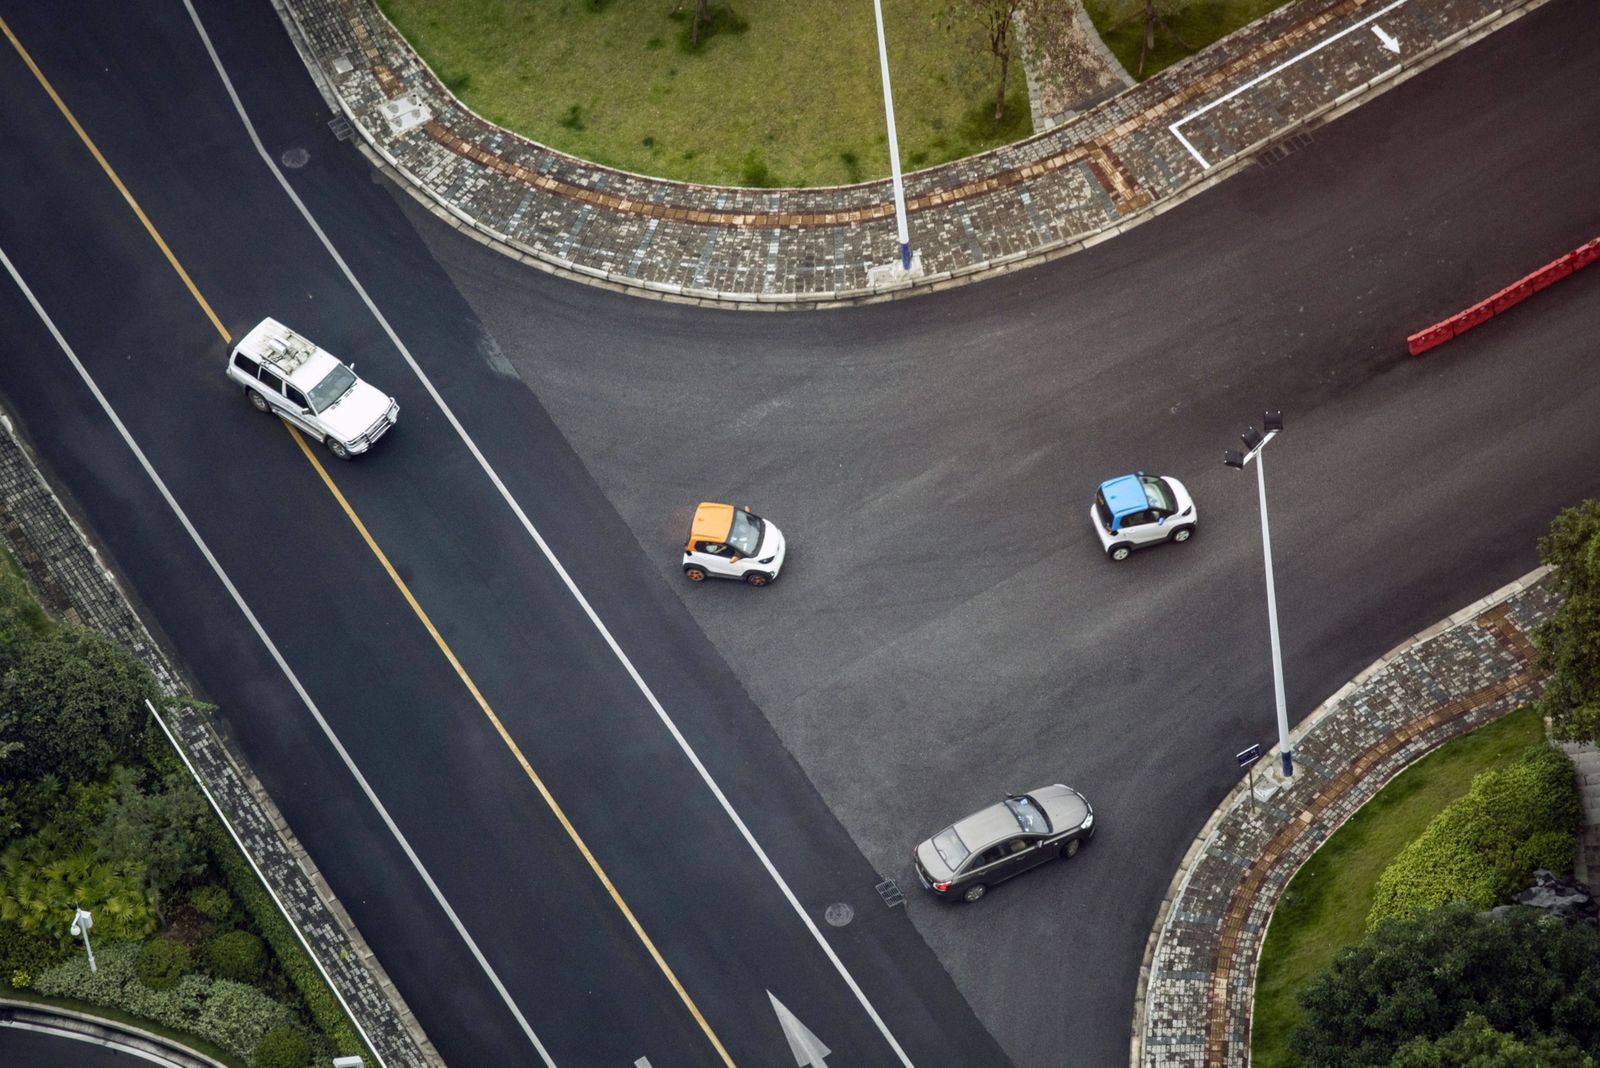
pixel 1484 847
pixel 232 1015
pixel 291 955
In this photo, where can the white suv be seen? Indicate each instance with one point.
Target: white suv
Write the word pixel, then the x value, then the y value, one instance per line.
pixel 286 374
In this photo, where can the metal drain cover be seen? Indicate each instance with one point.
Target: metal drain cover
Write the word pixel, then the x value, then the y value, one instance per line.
pixel 295 158
pixel 838 914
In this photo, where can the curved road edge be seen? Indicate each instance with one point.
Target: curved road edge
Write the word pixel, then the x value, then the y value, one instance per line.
pixel 1110 169
pixel 73 579
pixel 1197 980
pixel 112 1034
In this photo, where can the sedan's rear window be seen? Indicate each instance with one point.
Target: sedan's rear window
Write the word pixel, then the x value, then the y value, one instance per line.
pixel 1029 815
pixel 1102 510
pixel 952 850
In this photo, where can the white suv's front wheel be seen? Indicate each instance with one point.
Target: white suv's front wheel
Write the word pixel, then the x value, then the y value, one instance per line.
pixel 337 448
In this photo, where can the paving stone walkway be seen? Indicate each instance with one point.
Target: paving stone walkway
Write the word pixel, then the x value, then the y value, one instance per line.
pixel 1095 175
pixel 1197 981
pixel 75 584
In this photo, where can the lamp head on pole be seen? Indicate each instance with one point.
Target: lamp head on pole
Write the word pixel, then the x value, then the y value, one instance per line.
pixel 1251 438
pixel 1233 459
pixel 1272 421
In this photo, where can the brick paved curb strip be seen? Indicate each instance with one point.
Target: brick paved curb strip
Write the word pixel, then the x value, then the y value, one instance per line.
pixel 1061 191
pixel 114 1034
pixel 70 577
pixel 1205 1009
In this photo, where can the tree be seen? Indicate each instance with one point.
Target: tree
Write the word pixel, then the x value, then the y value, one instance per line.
pixel 997 19
pixel 1151 14
pixel 1569 641
pixel 75 703
pixel 1474 1044
pixel 1527 976
pixel 165 827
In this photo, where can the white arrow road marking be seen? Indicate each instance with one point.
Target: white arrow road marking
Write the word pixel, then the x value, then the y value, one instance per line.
pixel 807 1048
pixel 1388 42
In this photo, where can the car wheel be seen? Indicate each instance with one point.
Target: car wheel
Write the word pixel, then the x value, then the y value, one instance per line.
pixel 1072 849
pixel 337 448
pixel 257 401
pixel 1119 552
pixel 973 893
pixel 757 578
pixel 1183 534
pixel 695 574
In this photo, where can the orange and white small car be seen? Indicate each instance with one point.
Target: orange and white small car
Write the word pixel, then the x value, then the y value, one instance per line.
pixel 734 543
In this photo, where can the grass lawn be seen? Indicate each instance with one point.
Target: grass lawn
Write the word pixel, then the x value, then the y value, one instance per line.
pixel 781 94
pixel 1189 28
pixel 1325 905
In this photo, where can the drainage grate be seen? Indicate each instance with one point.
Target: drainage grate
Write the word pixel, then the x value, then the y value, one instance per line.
pixel 1282 149
pixel 890 893
pixel 340 128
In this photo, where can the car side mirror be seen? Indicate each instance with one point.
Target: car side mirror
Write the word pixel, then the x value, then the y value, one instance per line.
pixel 1161 522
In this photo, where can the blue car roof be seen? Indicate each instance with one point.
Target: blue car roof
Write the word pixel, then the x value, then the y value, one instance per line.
pixel 1124 495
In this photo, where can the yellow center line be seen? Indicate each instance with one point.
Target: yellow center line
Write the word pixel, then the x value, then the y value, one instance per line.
pixel 116 181
pixel 394 576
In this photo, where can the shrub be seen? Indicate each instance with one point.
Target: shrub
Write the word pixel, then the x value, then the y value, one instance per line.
pixel 283 1047
pixel 211 901
pixel 162 962
pixel 38 889
pixel 236 1016
pixel 231 1015
pixel 24 954
pixel 236 955
pixel 291 956
pixel 1484 847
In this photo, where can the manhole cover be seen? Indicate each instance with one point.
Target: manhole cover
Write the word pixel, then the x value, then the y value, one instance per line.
pixel 295 158
pixel 839 914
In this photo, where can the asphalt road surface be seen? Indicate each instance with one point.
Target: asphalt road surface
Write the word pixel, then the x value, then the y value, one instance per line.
pixel 946 628
pixel 27 1048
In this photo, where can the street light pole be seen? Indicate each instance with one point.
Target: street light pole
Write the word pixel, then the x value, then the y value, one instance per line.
pixel 81 922
pixel 1272 423
pixel 901 229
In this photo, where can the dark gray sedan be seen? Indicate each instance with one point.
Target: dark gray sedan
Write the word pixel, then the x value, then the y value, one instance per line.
pixel 991 845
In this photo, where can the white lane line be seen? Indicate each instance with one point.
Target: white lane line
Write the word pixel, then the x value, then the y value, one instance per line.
pixel 283 665
pixel 527 524
pixel 1258 79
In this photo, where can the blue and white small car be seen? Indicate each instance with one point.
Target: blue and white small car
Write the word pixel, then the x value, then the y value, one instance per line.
pixel 1138 510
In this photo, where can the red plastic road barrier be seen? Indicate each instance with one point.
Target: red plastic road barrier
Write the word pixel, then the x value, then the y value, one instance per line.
pixel 1424 340
pixel 1551 273
pixel 1476 315
pixel 1511 295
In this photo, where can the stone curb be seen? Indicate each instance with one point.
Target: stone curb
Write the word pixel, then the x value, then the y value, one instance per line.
pixel 1063 190
pixel 73 581
pixel 113 1034
pixel 1410 733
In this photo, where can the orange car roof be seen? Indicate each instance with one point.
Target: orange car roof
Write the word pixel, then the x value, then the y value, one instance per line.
pixel 712 522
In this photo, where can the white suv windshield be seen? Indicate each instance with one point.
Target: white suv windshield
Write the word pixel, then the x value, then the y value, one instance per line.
pixel 745 537
pixel 335 384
